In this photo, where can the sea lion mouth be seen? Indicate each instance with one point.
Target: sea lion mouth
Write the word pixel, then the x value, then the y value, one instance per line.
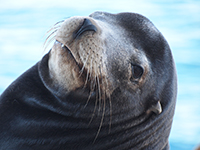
pixel 64 47
pixel 67 49
pixel 84 75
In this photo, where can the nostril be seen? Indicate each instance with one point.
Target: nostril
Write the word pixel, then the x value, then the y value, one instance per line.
pixel 86 26
pixel 86 23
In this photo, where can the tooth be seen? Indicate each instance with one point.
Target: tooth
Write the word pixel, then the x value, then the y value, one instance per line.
pixel 62 45
pixel 156 108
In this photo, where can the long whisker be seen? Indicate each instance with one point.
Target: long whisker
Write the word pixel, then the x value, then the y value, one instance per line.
pixel 102 96
pixel 99 88
pixel 58 23
pixel 52 29
pixel 91 87
pixel 102 118
pixel 81 71
pixel 91 68
pixel 91 91
pixel 93 111
pixel 49 36
pixel 89 73
pixel 94 82
pixel 86 80
pixel 105 87
pixel 110 104
pixel 53 38
pixel 100 76
pixel 98 85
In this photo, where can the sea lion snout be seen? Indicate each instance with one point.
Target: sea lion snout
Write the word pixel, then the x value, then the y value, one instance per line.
pixel 79 55
pixel 71 30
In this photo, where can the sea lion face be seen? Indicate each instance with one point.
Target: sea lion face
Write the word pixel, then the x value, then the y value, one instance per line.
pixel 101 57
pixel 105 52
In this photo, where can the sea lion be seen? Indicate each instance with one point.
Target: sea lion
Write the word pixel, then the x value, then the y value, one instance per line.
pixel 109 82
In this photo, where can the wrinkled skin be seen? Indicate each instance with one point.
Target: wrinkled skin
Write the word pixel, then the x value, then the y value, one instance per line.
pixel 109 82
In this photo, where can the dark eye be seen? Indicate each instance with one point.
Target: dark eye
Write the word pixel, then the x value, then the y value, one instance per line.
pixel 137 71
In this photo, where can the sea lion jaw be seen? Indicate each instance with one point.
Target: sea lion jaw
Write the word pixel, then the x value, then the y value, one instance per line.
pixel 63 68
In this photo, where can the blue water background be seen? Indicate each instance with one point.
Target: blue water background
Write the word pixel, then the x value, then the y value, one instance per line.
pixel 23 25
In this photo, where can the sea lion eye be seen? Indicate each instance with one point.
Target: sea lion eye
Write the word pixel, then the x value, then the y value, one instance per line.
pixel 137 71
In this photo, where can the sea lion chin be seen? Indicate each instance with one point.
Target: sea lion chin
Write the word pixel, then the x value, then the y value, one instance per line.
pixel 108 82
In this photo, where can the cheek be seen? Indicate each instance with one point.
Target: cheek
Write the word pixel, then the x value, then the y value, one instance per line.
pixel 63 69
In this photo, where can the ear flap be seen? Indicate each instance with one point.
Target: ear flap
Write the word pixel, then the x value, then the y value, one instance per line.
pixel 156 108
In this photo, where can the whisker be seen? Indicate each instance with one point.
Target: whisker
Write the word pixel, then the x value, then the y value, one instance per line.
pixel 54 28
pixel 102 118
pixel 93 111
pixel 58 22
pixel 53 38
pixel 92 90
pixel 49 36
pixel 97 85
pixel 81 71
pixel 86 79
pixel 99 88
pixel 92 85
pixel 102 96
pixel 101 83
pixel 110 102
pixel 91 68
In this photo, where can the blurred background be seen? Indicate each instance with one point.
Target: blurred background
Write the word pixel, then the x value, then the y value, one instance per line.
pixel 23 24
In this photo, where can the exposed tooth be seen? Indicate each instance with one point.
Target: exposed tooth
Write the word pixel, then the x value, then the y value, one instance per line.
pixel 62 45
pixel 56 42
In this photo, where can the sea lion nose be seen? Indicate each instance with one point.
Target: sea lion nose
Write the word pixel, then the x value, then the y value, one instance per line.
pixel 86 26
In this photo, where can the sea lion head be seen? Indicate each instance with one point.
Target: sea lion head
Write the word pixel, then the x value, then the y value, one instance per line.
pixel 121 59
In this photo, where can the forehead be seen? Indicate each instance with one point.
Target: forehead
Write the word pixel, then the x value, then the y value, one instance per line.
pixel 130 21
pixel 139 32
pixel 127 29
pixel 136 27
